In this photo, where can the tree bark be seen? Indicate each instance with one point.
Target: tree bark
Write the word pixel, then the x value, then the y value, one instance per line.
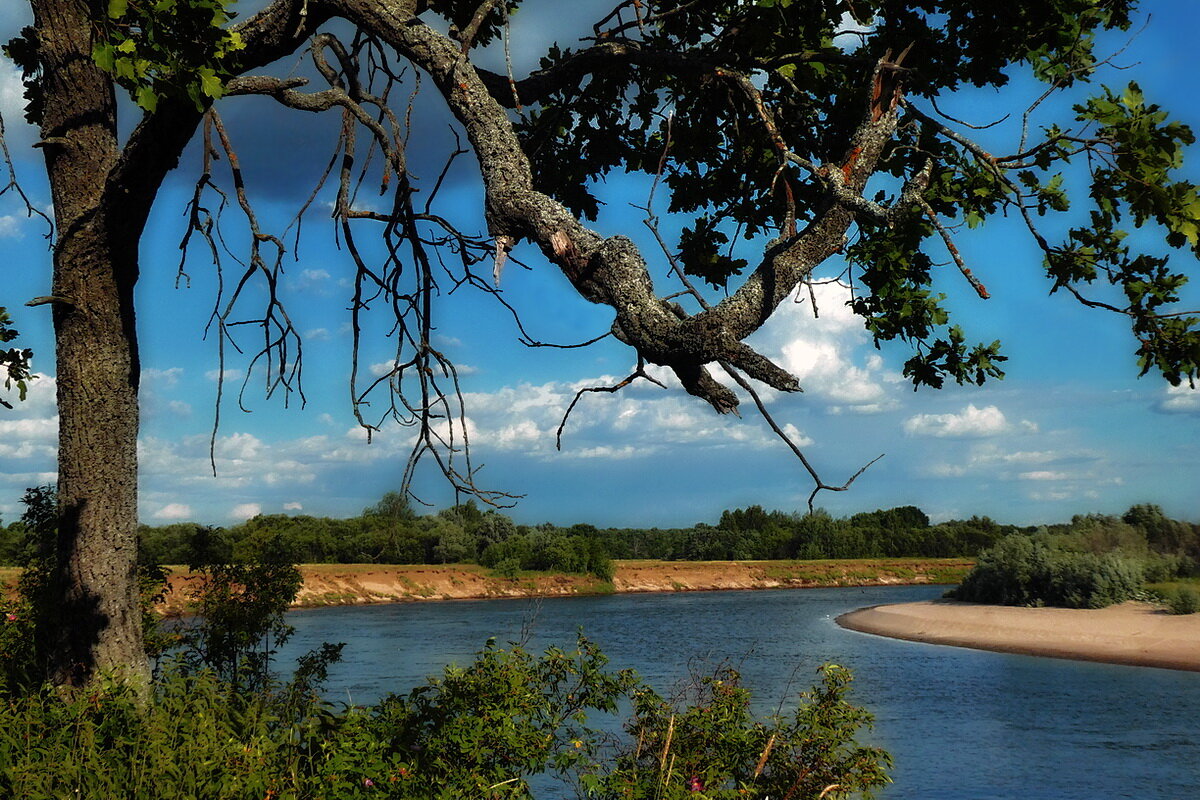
pixel 97 362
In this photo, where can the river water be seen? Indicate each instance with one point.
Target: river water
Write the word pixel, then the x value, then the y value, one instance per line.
pixel 961 724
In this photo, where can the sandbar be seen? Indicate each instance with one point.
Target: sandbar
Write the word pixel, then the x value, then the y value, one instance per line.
pixel 1134 633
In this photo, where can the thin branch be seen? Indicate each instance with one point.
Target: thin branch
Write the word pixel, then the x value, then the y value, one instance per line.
pixel 976 284
pixel 639 372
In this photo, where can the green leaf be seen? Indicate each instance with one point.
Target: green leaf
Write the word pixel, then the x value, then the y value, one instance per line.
pixel 147 99
pixel 103 54
pixel 1132 97
pixel 210 84
pixel 117 8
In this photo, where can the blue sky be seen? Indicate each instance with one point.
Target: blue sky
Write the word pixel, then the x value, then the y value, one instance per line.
pixel 1070 430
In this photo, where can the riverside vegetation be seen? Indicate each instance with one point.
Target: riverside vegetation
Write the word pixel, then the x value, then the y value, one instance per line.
pixel 1094 562
pixel 217 724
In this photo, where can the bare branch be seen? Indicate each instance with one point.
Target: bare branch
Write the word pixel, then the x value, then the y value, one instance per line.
pixel 976 284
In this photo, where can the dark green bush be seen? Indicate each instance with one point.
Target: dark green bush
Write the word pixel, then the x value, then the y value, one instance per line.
pixel 477 733
pixel 1028 571
pixel 1186 600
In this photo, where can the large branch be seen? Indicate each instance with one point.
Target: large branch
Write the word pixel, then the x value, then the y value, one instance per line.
pixel 612 271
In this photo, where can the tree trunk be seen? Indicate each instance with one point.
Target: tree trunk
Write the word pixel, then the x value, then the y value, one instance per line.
pixel 95 269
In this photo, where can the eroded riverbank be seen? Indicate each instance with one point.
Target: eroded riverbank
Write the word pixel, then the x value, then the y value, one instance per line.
pixel 358 584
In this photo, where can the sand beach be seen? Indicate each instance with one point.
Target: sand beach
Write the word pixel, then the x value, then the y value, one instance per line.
pixel 1130 633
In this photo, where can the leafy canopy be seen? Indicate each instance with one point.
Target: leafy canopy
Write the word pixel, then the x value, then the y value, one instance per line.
pixel 680 92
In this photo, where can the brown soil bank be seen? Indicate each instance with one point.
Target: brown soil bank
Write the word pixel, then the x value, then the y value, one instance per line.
pixel 1131 633
pixel 351 584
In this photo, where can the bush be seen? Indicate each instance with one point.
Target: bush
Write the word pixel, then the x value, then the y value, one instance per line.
pixel 1186 600
pixel 1027 571
pixel 477 732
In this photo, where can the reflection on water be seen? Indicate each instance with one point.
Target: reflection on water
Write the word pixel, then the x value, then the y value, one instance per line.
pixel 961 724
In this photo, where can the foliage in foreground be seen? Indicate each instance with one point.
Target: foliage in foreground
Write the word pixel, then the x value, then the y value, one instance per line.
pixel 477 732
pixel 218 725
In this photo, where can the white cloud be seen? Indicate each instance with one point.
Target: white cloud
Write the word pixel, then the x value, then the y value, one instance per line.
pixel 1056 495
pixel 610 453
pixel 317 335
pixel 40 398
pixel 245 510
pixel 10 226
pixel 12 106
pixel 1043 475
pixel 162 378
pixel 29 429
pixel 1181 399
pixel 971 422
pixel 384 367
pixel 798 438
pixel 179 408
pixel 821 351
pixel 314 275
pixel 229 374
pixel 293 506
pixel 174 511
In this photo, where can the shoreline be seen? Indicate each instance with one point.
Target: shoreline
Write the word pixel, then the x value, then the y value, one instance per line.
pixel 368 584
pixel 1132 633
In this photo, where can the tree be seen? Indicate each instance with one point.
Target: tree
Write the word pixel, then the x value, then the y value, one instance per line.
pixel 811 125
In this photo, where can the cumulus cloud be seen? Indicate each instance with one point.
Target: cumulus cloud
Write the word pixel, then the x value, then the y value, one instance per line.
pixel 12 106
pixel 245 510
pixel 174 511
pixel 525 418
pixel 293 506
pixel 1181 399
pixel 971 422
pixel 822 352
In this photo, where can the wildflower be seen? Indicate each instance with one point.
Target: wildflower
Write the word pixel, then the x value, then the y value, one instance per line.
pixel 12 617
pixel 368 782
pixel 694 784
pixel 577 743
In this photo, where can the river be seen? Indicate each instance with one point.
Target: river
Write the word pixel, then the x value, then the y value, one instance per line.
pixel 961 724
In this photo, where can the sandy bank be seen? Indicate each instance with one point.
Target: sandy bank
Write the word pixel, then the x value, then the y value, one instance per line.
pixel 355 584
pixel 1130 633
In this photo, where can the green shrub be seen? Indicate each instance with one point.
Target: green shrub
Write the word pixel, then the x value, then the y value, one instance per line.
pixel 1027 571
pixel 477 732
pixel 1185 600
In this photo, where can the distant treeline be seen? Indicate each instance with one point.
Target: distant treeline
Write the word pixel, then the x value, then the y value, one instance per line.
pixel 391 532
